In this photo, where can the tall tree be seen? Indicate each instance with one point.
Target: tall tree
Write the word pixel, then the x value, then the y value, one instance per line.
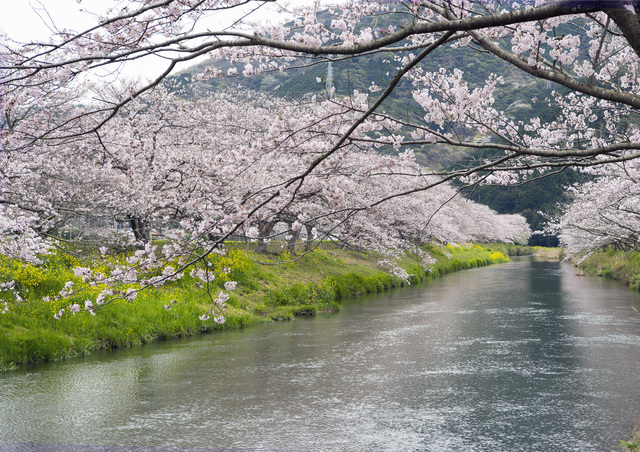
pixel 590 50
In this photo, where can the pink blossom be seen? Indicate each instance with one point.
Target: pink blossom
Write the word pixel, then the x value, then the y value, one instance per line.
pixel 67 290
pixel 248 70
pixel 222 298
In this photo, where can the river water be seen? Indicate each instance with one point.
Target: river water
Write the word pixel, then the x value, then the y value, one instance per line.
pixel 523 356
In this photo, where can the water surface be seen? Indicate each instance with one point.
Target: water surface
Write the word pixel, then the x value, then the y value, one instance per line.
pixel 520 356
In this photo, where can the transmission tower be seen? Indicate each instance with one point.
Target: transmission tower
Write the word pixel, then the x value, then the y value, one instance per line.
pixel 329 82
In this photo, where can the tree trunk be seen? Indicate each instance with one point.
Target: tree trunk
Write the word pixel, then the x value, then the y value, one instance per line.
pixel 291 243
pixel 308 244
pixel 140 229
pixel 627 21
pixel 264 231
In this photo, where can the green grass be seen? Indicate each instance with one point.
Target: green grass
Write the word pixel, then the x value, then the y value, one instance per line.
pixel 618 265
pixel 267 290
pixel 633 443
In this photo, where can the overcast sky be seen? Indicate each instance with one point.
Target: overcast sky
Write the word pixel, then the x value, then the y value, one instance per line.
pixel 25 20
pixel 20 22
pixel 34 20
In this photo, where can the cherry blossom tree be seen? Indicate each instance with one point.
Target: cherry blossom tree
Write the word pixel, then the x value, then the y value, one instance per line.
pixel 594 57
pixel 604 212
pixel 301 165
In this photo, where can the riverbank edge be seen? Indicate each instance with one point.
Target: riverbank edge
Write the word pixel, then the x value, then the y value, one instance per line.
pixel 624 268
pixel 315 283
pixel 539 252
pixel 617 265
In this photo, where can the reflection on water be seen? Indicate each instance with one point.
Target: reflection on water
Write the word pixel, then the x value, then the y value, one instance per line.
pixel 521 356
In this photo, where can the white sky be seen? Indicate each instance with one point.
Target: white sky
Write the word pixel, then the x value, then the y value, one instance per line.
pixel 19 21
pixel 34 20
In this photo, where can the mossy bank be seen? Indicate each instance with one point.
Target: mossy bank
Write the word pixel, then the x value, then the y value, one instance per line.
pixel 618 265
pixel 267 290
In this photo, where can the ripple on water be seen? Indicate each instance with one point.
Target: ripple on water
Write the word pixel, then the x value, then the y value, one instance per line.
pixel 499 360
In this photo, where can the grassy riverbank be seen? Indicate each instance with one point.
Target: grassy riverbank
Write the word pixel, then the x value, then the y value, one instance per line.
pixel 633 444
pixel 618 265
pixel 623 267
pixel 316 282
pixel 551 254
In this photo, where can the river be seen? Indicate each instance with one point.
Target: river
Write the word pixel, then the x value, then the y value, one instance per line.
pixel 524 356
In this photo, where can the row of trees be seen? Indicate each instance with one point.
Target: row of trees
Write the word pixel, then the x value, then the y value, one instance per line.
pixel 201 171
pixel 604 212
pixel 217 167
pixel 139 154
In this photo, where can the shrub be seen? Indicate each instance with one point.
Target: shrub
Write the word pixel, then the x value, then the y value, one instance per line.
pixel 606 273
pixel 27 276
pixel 498 257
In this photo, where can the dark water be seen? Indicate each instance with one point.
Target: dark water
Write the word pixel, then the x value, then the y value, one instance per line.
pixel 524 356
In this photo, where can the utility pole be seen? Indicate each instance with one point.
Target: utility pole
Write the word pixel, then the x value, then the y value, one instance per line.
pixel 329 82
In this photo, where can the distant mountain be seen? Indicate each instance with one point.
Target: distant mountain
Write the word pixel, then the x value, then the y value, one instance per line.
pixel 537 201
pixel 514 97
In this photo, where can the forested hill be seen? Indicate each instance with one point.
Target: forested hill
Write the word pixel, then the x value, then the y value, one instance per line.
pixel 538 201
pixel 514 97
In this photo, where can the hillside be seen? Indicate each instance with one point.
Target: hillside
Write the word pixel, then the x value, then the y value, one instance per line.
pixel 514 97
pixel 537 201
